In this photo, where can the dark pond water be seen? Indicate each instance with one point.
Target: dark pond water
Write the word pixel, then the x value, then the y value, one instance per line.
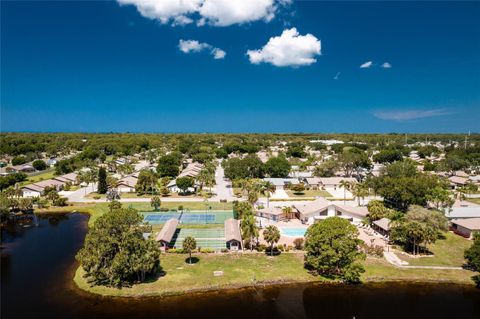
pixel 37 264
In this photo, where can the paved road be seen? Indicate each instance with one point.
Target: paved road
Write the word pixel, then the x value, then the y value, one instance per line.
pixel 223 187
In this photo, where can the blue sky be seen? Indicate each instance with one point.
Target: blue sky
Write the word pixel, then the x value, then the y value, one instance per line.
pixel 103 66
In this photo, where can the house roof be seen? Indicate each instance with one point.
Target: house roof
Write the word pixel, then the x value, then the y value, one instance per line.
pixel 67 178
pixel 458 180
pixel 464 212
pixel 33 187
pixel 232 230
pixel 313 180
pixel 271 210
pixel 312 207
pixel 461 174
pixel 469 223
pixel 130 181
pixel 336 180
pixel 383 223
pixel 49 183
pixel 282 181
pixel 360 211
pixel 168 230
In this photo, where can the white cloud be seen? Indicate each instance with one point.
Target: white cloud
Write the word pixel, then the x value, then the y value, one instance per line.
pixel 366 65
pixel 164 10
pixel 218 53
pixel 386 65
pixel 410 114
pixel 193 46
pixel 213 12
pixel 288 49
pixel 225 13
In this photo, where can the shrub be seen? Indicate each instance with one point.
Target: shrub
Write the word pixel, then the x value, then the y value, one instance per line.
pixel 97 197
pixel 60 201
pixel 206 250
pixel 225 250
pixel 261 247
pixel 298 243
pixel 289 247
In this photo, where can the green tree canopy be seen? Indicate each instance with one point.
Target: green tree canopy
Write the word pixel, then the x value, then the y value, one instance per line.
pixel 277 166
pixel 169 165
pixel 39 165
pixel 115 252
pixel 472 255
pixel 102 181
pixel 189 244
pixel 331 249
pixel 184 183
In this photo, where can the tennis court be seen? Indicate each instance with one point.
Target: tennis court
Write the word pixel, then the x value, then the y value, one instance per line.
pixel 189 217
pixel 213 238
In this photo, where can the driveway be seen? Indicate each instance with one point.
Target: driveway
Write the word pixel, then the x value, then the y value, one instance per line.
pixel 223 187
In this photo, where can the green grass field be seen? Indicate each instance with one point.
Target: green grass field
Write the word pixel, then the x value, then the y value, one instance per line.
pixel 309 193
pixel 474 200
pixel 446 252
pixel 243 270
pixel 40 177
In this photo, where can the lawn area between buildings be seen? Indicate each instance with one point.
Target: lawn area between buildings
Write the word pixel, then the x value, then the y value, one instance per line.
pixel 446 252
pixel 474 200
pixel 247 270
pixel 309 193
pixel 41 176
pixel 135 195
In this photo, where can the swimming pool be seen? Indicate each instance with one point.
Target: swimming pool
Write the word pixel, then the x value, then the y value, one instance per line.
pixel 293 232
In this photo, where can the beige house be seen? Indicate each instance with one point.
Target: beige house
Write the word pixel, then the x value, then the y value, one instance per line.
pixel 127 184
pixel 272 213
pixel 465 227
pixel 309 212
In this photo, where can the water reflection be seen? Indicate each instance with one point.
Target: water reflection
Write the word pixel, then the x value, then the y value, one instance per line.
pixel 37 267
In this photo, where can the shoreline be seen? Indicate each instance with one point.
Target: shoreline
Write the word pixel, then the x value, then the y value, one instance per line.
pixel 81 284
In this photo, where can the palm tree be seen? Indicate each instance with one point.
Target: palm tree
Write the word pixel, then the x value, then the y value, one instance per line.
pixel 288 211
pixel 360 191
pixel 271 234
pixel 345 185
pixel 267 189
pixel 249 228
pixel 189 244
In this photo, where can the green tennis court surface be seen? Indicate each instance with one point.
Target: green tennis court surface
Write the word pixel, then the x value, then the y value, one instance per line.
pixel 213 238
pixel 188 217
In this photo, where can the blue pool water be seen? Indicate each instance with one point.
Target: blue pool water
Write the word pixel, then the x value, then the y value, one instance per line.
pixel 293 232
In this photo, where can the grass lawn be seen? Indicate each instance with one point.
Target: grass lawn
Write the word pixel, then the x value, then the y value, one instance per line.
pixel 135 195
pixel 474 200
pixel 377 269
pixel 239 270
pixel 446 252
pixel 243 270
pixel 309 193
pixel 37 178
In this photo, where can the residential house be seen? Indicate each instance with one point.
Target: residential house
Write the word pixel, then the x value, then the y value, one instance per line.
pixel 466 227
pixel 272 213
pixel 308 212
pixel 127 184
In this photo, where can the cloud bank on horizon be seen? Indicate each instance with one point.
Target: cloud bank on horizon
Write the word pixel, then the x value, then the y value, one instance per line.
pixel 410 114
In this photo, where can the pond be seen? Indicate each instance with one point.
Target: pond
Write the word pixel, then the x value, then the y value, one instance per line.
pixel 37 266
